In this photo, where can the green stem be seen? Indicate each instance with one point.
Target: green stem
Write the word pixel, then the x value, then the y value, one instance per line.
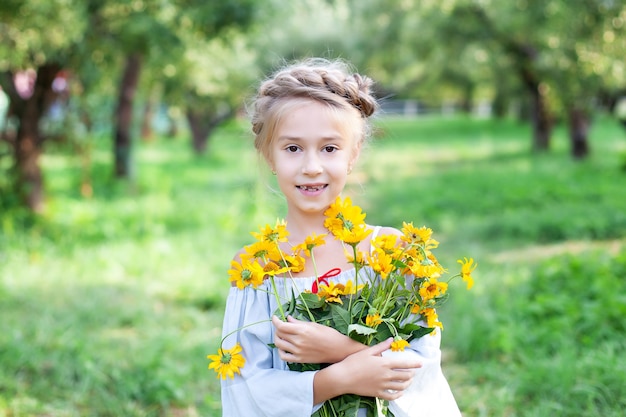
pixel 280 305
pixel 241 328
pixel 282 256
pixel 356 277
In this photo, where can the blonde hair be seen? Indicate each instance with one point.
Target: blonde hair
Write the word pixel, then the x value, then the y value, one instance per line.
pixel 329 82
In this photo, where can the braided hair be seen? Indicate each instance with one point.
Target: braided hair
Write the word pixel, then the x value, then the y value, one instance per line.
pixel 328 82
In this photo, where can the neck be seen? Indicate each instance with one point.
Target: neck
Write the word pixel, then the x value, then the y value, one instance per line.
pixel 301 225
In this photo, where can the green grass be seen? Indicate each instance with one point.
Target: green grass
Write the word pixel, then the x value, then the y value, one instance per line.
pixel 109 304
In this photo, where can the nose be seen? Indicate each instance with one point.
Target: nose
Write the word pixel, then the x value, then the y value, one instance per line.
pixel 311 165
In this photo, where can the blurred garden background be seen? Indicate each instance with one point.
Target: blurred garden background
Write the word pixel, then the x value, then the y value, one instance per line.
pixel 128 180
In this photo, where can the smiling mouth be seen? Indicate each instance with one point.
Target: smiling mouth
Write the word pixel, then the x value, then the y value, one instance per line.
pixel 311 187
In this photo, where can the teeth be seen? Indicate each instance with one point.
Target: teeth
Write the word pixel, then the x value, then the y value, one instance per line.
pixel 307 188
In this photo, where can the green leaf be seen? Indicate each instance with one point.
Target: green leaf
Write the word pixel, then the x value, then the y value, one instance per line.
pixel 311 300
pixel 415 331
pixel 359 308
pixel 401 280
pixel 383 332
pixel 360 329
pixel 341 318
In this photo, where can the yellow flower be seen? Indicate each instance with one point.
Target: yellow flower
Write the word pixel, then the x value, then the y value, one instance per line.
pixel 351 289
pixel 310 242
pixel 359 261
pixel 227 362
pixel 432 288
pixel 381 263
pixel 466 271
pixel 246 273
pixel 273 269
pixel 398 345
pixel 332 292
pixel 416 308
pixel 431 317
pixel 263 250
pixel 345 221
pixel 425 269
pixel 421 236
pixel 386 243
pixel 373 320
pixel 295 263
pixel 276 234
pixel 352 237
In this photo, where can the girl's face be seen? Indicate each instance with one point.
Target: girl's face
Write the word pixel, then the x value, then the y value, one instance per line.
pixel 312 155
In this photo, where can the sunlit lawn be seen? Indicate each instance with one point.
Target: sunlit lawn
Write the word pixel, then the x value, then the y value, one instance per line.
pixel 109 305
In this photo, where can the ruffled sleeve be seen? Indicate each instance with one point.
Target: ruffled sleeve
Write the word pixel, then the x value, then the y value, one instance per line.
pixel 265 388
pixel 429 394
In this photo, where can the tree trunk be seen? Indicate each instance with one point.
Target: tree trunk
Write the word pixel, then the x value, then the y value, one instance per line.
pixel 147 134
pixel 28 140
pixel 500 104
pixel 524 57
pixel 542 122
pixel 579 123
pixel 124 116
pixel 539 113
pixel 201 125
pixel 467 101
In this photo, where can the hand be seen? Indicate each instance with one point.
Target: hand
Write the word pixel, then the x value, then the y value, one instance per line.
pixel 366 373
pixel 306 342
pixel 377 376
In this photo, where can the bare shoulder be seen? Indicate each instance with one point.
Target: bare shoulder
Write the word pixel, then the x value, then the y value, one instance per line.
pixel 386 230
pixel 237 257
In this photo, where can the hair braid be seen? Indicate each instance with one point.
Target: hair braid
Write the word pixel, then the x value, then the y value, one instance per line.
pixel 329 82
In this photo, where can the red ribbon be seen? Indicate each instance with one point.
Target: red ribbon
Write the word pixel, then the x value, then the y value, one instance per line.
pixel 324 279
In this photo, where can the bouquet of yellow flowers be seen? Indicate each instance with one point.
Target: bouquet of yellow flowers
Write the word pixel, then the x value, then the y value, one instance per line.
pixel 396 291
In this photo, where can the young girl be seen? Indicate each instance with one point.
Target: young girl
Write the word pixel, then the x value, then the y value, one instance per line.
pixel 310 120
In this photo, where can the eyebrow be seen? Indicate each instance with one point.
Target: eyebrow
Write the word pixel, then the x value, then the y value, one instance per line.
pixel 287 138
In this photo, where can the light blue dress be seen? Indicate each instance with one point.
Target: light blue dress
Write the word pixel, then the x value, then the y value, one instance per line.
pixel 266 386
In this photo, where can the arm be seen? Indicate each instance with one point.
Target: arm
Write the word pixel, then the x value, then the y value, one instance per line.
pixel 305 342
pixel 265 388
pixel 355 368
pixel 366 373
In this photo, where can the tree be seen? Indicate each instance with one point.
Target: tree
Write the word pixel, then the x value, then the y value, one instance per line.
pixel 87 38
pixel 556 48
pixel 583 60
pixel 149 33
pixel 38 38
pixel 209 83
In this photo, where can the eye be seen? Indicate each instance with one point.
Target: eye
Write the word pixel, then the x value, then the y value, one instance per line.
pixel 330 149
pixel 292 148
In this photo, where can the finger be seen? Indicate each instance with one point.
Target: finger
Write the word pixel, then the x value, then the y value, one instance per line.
pixel 379 348
pixel 277 321
pixel 285 356
pixel 283 326
pixel 292 319
pixel 282 343
pixel 278 325
pixel 404 364
pixel 390 394
pixel 402 376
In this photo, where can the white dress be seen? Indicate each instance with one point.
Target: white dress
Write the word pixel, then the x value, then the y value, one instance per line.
pixel 266 386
